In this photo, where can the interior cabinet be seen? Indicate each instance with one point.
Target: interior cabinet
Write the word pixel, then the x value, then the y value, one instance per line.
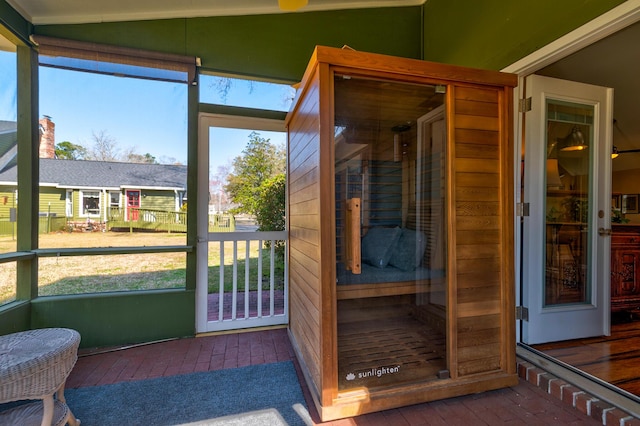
pixel 625 266
pixel 400 218
pixel 566 246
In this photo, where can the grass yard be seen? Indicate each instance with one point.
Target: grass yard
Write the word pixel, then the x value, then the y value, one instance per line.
pixel 126 272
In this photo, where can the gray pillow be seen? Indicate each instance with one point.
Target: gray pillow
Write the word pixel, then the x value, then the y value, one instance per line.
pixel 378 245
pixel 408 252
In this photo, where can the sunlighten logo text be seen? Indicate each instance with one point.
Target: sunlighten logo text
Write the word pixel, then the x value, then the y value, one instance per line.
pixel 374 372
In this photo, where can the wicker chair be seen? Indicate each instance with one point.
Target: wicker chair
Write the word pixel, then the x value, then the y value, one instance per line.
pixel 35 364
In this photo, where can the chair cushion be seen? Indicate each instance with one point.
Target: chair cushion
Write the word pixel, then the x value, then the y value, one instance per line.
pixel 408 252
pixel 378 245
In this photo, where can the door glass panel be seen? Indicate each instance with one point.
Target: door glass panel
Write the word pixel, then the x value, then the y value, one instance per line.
pixel 569 202
pixel 389 146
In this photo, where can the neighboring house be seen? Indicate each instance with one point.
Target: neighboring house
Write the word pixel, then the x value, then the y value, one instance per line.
pixel 82 190
pixel 90 190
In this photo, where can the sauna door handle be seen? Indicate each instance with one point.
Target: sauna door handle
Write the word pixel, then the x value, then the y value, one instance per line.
pixel 352 231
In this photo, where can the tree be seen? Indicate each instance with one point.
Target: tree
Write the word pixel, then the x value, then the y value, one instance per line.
pixel 163 159
pixel 132 157
pixel 270 205
pixel 69 151
pixel 270 208
pixel 260 160
pixel 105 147
pixel 218 197
pixel 223 86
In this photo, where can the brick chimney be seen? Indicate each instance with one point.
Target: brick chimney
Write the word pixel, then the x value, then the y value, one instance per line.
pixel 47 137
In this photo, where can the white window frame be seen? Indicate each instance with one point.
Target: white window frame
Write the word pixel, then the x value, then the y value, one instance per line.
pixel 81 203
pixel 111 203
pixel 68 211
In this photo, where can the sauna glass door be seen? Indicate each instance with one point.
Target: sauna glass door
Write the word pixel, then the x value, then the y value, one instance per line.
pixel 390 147
pixel 567 183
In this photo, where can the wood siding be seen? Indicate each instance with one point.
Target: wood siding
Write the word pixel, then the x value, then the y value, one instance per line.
pixel 481 159
pixel 305 233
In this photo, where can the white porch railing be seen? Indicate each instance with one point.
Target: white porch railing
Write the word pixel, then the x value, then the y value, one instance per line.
pixel 249 289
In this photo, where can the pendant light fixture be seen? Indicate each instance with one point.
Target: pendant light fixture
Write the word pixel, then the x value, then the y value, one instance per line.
pixel 291 5
pixel 614 152
pixel 574 141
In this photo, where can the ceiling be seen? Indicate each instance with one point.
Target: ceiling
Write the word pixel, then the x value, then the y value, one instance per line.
pixel 611 62
pixel 40 12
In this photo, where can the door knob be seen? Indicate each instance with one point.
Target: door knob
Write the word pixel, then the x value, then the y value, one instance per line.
pixel 604 231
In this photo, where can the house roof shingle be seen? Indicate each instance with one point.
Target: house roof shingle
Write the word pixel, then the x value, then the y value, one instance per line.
pixel 7 125
pixel 8 136
pixel 92 174
pixel 105 174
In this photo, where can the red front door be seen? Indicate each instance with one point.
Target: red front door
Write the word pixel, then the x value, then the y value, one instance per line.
pixel 133 204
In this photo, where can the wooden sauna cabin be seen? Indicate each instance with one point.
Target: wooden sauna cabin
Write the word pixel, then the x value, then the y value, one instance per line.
pixel 400 212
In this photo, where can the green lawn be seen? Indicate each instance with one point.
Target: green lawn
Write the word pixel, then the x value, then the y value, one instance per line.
pixel 125 272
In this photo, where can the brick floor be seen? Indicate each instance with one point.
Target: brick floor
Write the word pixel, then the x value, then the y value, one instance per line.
pixel 251 302
pixel 524 404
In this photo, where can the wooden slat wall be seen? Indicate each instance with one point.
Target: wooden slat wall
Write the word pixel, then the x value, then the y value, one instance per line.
pixel 381 200
pixel 304 231
pixel 481 255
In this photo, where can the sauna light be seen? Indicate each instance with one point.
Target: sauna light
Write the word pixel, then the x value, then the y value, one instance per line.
pixel 399 147
pixel 291 5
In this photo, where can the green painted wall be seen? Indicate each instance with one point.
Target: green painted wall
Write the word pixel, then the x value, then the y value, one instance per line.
pixel 271 46
pixel 52 200
pixel 158 200
pixel 16 317
pixel 7 200
pixel 492 34
pixel 119 318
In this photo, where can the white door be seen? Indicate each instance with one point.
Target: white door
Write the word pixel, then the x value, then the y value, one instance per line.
pixel 239 283
pixel 567 184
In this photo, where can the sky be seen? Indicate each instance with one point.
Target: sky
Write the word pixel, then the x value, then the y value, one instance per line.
pixel 147 115
pixel 143 115
pixel 226 144
pixel 8 86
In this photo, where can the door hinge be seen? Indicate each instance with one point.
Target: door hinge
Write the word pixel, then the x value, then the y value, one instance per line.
pixel 522 209
pixel 524 105
pixel 522 313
